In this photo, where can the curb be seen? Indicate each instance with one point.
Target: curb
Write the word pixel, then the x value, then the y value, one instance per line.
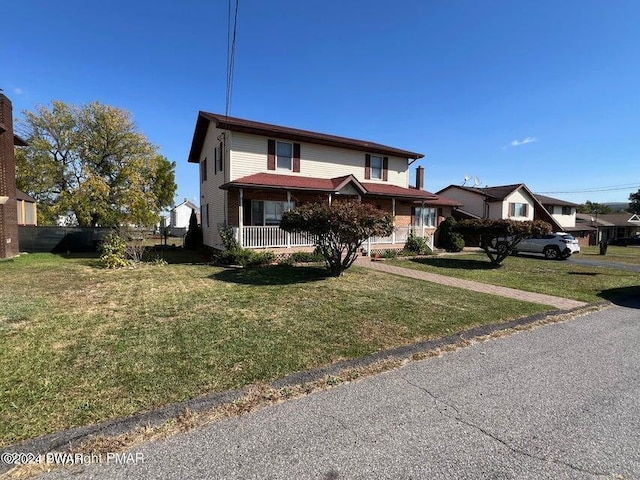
pixel 70 438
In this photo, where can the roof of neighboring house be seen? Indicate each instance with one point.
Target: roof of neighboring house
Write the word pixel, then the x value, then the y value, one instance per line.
pixel 554 201
pixel 187 203
pixel 329 185
pixel 294 134
pixel 609 219
pixel 20 195
pixel 494 193
pixel 19 141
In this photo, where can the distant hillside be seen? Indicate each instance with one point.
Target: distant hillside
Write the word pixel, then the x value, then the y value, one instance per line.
pixel 617 206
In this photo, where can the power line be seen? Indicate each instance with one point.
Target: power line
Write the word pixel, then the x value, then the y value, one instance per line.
pixel 231 53
pixel 611 188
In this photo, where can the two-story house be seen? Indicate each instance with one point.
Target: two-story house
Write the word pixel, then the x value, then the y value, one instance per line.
pixel 252 172
pixel 514 202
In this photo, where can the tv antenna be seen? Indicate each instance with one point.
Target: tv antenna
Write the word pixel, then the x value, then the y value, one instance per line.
pixel 476 182
pixel 466 179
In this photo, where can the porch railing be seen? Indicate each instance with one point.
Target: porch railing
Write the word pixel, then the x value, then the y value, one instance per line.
pixel 271 236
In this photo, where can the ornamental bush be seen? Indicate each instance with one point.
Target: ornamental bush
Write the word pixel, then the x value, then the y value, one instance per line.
pixel 113 251
pixel 450 240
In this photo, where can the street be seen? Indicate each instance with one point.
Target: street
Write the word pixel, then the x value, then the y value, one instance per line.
pixel 559 401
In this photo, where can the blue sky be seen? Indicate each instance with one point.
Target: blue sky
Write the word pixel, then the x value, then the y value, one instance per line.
pixel 540 92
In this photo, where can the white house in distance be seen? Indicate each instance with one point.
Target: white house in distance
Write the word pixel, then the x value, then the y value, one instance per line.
pixel 517 202
pixel 252 172
pixel 179 217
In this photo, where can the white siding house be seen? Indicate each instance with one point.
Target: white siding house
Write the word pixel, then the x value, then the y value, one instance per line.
pixel 251 172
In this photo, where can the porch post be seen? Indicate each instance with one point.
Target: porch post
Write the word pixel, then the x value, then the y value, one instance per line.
pixel 393 212
pixel 422 219
pixel 240 219
pixel 288 206
pixel 330 195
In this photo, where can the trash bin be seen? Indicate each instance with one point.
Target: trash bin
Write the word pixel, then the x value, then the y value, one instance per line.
pixel 603 247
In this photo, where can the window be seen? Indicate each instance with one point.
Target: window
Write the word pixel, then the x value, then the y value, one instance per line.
pixel 219 158
pixel 376 167
pixel 207 216
pixel 265 212
pixel 284 155
pixel 518 209
pixel 566 210
pixel 203 169
pixel 425 217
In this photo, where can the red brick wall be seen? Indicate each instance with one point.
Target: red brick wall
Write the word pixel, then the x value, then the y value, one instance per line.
pixel 9 211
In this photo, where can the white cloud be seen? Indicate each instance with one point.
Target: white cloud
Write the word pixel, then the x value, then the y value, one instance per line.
pixel 18 91
pixel 517 143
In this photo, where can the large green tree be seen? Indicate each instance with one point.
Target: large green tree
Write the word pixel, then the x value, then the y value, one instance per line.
pixel 92 160
pixel 634 202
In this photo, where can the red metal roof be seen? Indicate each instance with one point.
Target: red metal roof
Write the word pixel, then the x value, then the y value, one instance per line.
pixel 294 182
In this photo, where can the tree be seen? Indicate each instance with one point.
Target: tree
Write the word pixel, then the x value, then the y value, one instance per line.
pixel 498 238
pixel 193 238
pixel 91 160
pixel 450 240
pixel 339 228
pixel 592 207
pixel 634 202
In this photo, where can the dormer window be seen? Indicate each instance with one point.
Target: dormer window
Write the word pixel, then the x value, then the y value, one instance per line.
pixel 284 155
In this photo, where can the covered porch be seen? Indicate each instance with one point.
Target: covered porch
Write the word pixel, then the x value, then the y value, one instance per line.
pixel 256 205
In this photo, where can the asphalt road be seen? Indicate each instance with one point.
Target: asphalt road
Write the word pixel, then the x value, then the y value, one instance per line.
pixel 561 401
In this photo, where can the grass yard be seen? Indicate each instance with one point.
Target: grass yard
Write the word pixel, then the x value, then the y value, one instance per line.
pixel 563 279
pixel 81 344
pixel 614 254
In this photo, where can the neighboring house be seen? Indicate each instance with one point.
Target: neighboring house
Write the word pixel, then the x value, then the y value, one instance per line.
pixel 514 202
pixel 27 209
pixel 9 243
pixel 179 217
pixel 252 172
pixel 609 226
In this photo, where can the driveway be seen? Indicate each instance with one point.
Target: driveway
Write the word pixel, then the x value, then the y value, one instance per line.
pixel 602 263
pixel 556 402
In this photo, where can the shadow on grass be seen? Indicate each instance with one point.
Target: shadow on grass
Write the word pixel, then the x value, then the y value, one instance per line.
pixel 623 296
pixel 275 275
pixel 457 263
pixel 584 274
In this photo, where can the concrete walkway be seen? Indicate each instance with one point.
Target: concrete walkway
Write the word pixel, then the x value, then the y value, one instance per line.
pixel 541 298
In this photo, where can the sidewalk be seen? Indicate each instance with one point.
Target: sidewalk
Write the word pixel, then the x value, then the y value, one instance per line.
pixel 541 298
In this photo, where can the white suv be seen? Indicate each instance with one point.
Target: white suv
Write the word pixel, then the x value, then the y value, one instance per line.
pixel 553 246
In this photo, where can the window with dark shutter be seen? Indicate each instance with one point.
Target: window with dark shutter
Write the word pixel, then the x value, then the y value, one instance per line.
pixel 220 159
pixel 296 157
pixel 385 168
pixel 271 155
pixel 367 166
pixel 203 169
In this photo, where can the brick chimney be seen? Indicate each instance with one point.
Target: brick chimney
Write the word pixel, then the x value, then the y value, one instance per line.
pixel 420 178
pixel 8 205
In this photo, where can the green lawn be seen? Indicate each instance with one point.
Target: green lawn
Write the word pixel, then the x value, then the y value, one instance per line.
pixel 552 277
pixel 614 254
pixel 81 344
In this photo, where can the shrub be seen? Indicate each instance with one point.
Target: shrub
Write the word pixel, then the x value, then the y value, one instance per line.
pixel 417 245
pixel 391 253
pixel 113 251
pixel 307 257
pixel 450 240
pixel 245 257
pixel 193 239
pixel 226 235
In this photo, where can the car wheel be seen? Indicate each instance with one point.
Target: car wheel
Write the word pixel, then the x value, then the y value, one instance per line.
pixel 551 252
pixel 502 248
